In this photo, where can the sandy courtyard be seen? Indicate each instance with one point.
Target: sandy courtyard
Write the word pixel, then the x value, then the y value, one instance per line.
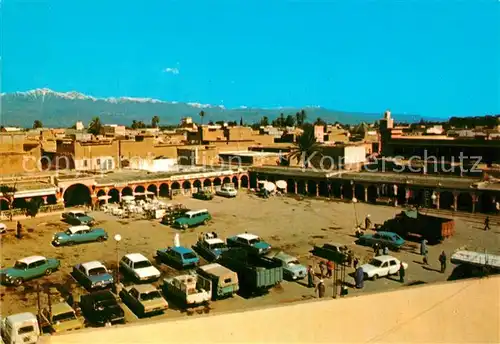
pixel 288 224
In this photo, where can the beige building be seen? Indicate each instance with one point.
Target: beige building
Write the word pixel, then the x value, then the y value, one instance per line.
pixel 18 154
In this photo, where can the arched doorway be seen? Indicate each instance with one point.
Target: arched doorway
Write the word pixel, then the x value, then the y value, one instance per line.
pixel 186 186
pixel 359 191
pixel 226 180
pixel 51 199
pixel 445 200
pixel 164 190
pixel 372 194
pixel 312 187
pixel 139 189
pixel 127 191
pixel 464 201
pixel 197 185
pixel 4 204
pixel 336 189
pixel 76 194
pixel 347 190
pixel 176 186
pixel 153 189
pixel 100 197
pixel 114 195
pixel 235 182
pixel 323 189
pixel 207 183
pixel 253 180
pixel 244 181
pixel 301 187
pixel 217 181
pixel 486 203
pixel 290 186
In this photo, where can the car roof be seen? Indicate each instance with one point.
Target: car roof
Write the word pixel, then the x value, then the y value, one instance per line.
pixel 92 265
pixel 76 212
pixel 136 257
pixel 31 259
pixel 22 317
pixel 284 257
pixel 386 233
pixel 384 258
pixel 75 229
pixel 216 269
pixel 193 212
pixel 144 288
pixel 181 249
pixel 62 307
pixel 247 236
pixel 214 241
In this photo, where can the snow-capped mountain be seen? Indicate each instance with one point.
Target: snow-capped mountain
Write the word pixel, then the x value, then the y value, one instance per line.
pixel 58 109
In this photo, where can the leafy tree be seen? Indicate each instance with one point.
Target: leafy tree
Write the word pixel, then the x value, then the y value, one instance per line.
pixel 202 115
pixel 8 192
pixel 241 121
pixel 319 121
pixel 300 117
pixel 138 124
pixel 95 126
pixel 210 122
pixel 33 207
pixel 37 124
pixel 306 146
pixel 264 121
pixel 155 121
pixel 290 121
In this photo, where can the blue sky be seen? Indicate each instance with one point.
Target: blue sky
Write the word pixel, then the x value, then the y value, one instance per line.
pixel 427 57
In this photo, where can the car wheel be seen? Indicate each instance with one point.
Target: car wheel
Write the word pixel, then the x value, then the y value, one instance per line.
pixel 17 282
pixel 101 239
pixel 375 277
pixel 185 226
pixel 48 272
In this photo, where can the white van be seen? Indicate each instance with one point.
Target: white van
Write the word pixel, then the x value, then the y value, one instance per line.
pixel 21 328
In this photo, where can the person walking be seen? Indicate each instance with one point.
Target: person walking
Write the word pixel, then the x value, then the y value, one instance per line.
pixel 310 277
pixel 19 229
pixel 322 269
pixel 329 269
pixel 442 260
pixel 376 249
pixel 386 250
pixel 320 289
pixel 356 262
pixel 487 223
pixel 368 222
pixel 401 273
pixel 424 251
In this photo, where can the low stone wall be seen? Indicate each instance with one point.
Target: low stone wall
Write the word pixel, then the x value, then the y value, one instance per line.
pixel 20 213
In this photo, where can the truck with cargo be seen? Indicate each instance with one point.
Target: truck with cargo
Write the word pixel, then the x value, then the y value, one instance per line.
pixel 256 274
pixel 189 289
pixel 224 281
pixel 413 223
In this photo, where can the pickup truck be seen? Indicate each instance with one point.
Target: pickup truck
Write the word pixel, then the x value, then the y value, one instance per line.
pixel 92 275
pixel 210 247
pixel 20 328
pixel 190 289
pixel 256 274
pixel 60 318
pixel 101 307
pixel 224 281
pixel 249 242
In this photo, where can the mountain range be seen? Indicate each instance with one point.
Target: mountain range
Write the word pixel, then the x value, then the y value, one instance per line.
pixel 63 109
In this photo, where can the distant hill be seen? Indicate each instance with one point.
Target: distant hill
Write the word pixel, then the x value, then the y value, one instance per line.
pixel 63 109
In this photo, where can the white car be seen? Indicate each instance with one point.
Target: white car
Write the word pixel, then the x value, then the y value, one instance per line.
pixel 227 191
pixel 382 266
pixel 138 266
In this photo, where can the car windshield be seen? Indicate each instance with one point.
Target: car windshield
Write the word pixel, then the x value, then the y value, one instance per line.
pixel 293 263
pixel 189 255
pixel 375 262
pixel 80 214
pixel 142 264
pixel 396 237
pixel 217 245
pixel 26 329
pixel 20 266
pixel 97 271
pixel 150 296
pixel 254 241
pixel 64 317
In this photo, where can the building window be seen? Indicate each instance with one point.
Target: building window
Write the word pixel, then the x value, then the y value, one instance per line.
pixel 85 163
pixel 98 161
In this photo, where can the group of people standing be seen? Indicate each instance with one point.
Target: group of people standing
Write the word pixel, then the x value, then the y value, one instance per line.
pixel 327 267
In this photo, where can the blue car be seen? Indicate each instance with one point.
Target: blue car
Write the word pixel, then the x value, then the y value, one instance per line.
pixel 210 247
pixel 79 234
pixel 181 256
pixel 78 218
pixel 292 268
pixel 393 241
pixel 93 275
pixel 250 242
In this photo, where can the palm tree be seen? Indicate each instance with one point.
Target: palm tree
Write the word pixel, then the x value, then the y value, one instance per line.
pixel 305 146
pixel 155 121
pixel 95 126
pixel 37 124
pixel 202 114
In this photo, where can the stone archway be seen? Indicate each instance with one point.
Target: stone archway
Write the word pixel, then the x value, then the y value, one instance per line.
pixel 77 194
pixel 226 180
pixel 139 189
pixel 217 181
pixel 114 195
pixel 236 182
pixel 176 186
pixel 197 185
pixel 99 194
pixel 207 183
pixel 244 181
pixel 153 189
pixel 186 185
pixel 127 191
pixel 164 190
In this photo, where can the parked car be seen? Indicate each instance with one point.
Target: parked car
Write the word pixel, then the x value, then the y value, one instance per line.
pixel 20 328
pixel 93 275
pixel 28 268
pixel 250 242
pixel 224 281
pixel 203 195
pixel 227 191
pixel 332 251
pixel 189 290
pixel 60 317
pixel 210 247
pixel 78 218
pixel 179 255
pixel 139 267
pixel 79 234
pixel 382 266
pixel 193 218
pixel 144 299
pixel 101 307
pixel 392 240
pixel 292 269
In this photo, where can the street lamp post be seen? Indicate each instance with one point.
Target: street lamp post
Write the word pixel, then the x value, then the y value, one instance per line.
pixel 117 238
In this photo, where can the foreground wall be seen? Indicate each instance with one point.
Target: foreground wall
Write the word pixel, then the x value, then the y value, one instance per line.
pixel 453 312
